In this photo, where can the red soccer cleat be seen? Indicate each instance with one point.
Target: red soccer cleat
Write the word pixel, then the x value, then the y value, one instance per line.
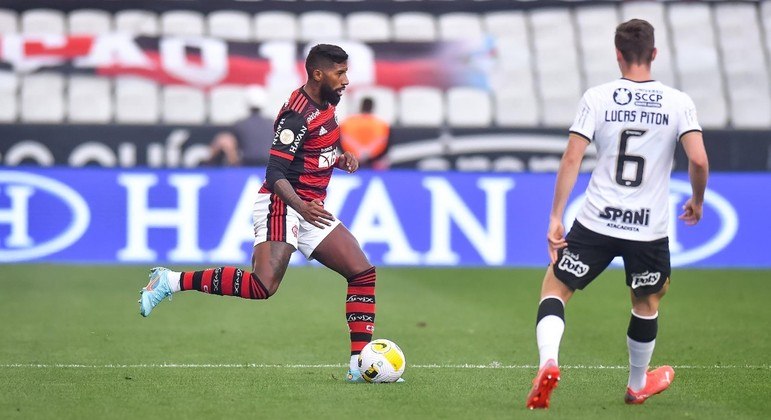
pixel 656 381
pixel 543 384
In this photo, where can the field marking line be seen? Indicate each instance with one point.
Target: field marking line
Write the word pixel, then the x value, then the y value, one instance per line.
pixel 494 365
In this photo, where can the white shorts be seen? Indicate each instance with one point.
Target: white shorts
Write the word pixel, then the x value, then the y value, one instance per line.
pixel 274 220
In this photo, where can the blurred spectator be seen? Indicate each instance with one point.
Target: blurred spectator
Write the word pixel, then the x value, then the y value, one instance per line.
pixel 248 142
pixel 366 136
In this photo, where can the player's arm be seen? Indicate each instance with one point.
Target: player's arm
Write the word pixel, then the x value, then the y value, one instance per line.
pixel 698 172
pixel 566 179
pixel 291 132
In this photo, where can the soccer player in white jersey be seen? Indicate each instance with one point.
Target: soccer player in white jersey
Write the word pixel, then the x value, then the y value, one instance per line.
pixel 635 123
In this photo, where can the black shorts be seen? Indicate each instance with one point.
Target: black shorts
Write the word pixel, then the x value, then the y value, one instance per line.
pixel 589 253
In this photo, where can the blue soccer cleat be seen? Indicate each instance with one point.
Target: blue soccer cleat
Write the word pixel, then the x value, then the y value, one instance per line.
pixel 354 376
pixel 155 291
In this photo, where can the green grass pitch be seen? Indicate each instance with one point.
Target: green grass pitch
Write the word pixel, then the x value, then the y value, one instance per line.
pixel 73 345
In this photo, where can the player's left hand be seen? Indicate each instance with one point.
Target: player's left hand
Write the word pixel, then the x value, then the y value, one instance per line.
pixel 348 162
pixel 691 212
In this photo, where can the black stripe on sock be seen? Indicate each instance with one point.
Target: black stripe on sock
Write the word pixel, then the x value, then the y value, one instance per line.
pixel 550 306
pixel 356 336
pixel 643 330
pixel 216 281
pixel 197 277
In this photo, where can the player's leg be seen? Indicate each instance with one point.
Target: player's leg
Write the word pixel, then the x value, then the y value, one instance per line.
pixel 585 257
pixel 648 270
pixel 341 252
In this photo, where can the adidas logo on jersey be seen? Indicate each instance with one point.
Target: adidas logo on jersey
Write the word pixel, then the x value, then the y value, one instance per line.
pixel 322 131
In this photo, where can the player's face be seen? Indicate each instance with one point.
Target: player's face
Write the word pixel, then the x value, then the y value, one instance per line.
pixel 334 81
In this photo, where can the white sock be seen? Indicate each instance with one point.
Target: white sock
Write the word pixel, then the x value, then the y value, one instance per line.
pixel 639 359
pixel 173 277
pixel 548 334
pixel 354 366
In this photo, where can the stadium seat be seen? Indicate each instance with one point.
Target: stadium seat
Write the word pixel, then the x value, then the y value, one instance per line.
pixel 89 22
pixel 9 85
pixel 275 25
pixel 596 29
pixel 473 164
pixel 516 106
pixel 8 22
pixel 746 71
pixel 556 61
pixel 506 24
pixel 227 104
pixel 697 61
pixel 384 101
pixel 43 21
pixel 136 101
pixel 368 26
pixel 413 26
pixel 421 106
pixel 230 25
pixel 183 105
pixel 182 23
pixel 460 26
pixel 89 99
pixel 468 107
pixel 655 14
pixel 42 98
pixel 320 25
pixel 139 22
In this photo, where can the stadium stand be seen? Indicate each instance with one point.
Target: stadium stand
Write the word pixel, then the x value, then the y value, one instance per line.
pixel 43 21
pixel 183 105
pixel 42 98
pixel 89 22
pixel 136 101
pixel 182 23
pixel 139 22
pixel 384 101
pixel 414 26
pixel 231 25
pixel 9 85
pixel 421 106
pixel 8 22
pixel 89 99
pixel 368 26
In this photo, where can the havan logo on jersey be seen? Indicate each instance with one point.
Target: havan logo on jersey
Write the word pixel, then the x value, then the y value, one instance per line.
pixel 630 219
pixel 645 279
pixel 571 263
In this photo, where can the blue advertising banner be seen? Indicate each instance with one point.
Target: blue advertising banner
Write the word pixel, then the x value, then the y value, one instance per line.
pixel 97 215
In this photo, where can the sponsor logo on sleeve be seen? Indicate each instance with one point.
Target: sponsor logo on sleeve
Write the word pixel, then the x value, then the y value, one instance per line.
pixel 286 136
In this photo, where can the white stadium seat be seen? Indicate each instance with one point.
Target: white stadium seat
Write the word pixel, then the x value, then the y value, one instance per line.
pixel 320 26
pixel 746 71
pixel 139 22
pixel 413 26
pixel 43 21
pixel 556 61
pixel 89 99
pixel 183 105
pixel 230 25
pixel 368 26
pixel 596 29
pixel 654 12
pixel 516 107
pixel 383 98
pixel 697 61
pixel 182 23
pixel 460 26
pixel 227 104
pixel 506 24
pixel 89 22
pixel 136 101
pixel 42 98
pixel 421 106
pixel 9 85
pixel 468 107
pixel 8 22
pixel 275 25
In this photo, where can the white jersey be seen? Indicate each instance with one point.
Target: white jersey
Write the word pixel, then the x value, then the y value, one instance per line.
pixel 635 127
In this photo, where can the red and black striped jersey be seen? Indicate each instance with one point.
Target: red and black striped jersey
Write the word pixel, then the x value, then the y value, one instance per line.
pixel 305 146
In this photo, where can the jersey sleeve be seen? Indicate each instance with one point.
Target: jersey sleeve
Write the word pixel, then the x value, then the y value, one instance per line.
pixel 291 132
pixel 584 123
pixel 688 120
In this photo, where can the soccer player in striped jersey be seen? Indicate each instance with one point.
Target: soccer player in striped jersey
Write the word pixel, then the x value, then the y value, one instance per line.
pixel 289 210
pixel 635 123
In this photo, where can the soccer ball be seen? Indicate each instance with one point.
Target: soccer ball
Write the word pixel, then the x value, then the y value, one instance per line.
pixel 381 361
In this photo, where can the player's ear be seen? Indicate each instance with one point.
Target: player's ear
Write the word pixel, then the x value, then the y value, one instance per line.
pixel 654 53
pixel 318 75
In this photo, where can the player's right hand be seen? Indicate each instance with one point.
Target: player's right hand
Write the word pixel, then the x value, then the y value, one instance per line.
pixel 691 212
pixel 314 213
pixel 556 238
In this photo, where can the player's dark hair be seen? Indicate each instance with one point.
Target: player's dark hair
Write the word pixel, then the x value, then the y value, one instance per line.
pixel 322 56
pixel 366 105
pixel 635 40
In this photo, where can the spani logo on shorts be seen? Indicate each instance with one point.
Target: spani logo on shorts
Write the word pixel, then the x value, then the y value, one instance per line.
pixel 24 193
pixel 717 211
